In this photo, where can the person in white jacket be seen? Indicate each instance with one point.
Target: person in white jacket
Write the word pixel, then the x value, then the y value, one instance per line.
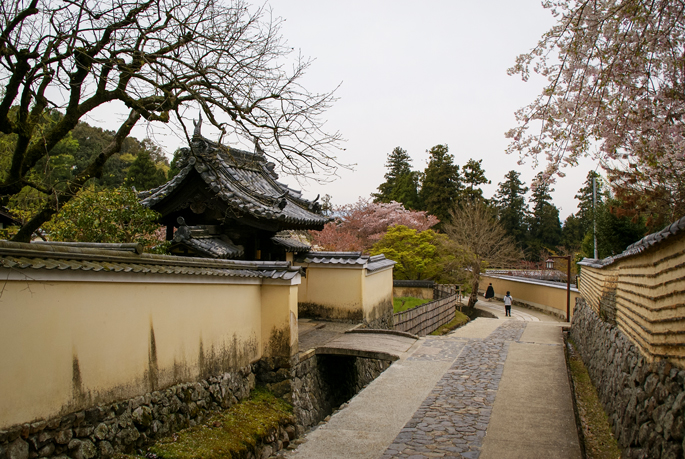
pixel 507 304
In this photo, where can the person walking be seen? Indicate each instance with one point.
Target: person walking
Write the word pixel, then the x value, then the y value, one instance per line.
pixel 507 304
pixel 490 292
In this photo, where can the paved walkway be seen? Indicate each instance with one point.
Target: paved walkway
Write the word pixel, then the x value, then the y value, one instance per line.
pixel 496 307
pixel 495 388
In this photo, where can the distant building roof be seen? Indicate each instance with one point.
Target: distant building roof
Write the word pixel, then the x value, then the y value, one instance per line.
pixel 118 258
pixel 414 283
pixel 678 227
pixel 244 183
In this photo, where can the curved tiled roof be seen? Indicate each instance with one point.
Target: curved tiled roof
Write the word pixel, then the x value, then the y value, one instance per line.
pixel 378 262
pixel 374 263
pixel 244 181
pixel 205 240
pixel 334 258
pixel 27 257
pixel 639 246
pixel 290 244
pixel 214 247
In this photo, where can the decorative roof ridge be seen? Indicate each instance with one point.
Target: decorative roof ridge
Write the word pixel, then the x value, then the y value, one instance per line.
pixel 325 254
pixel 638 247
pixel 171 185
pixel 134 247
pixel 241 158
pixel 47 250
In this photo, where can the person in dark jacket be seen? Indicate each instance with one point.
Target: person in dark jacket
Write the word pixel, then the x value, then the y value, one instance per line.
pixel 489 293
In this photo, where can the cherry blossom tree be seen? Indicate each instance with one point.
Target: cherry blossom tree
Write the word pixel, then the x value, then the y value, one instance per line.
pixel 360 225
pixel 615 93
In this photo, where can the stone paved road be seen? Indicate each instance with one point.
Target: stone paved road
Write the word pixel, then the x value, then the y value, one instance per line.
pixel 495 388
pixel 453 419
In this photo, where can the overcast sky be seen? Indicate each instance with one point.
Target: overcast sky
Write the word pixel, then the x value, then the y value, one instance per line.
pixel 417 74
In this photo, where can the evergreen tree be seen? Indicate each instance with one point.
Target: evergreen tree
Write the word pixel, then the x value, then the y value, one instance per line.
pixel 401 183
pixel 144 174
pixel 585 205
pixel 545 227
pixel 441 183
pixel 512 210
pixel 173 167
pixel 474 176
pixel 615 232
pixel 572 233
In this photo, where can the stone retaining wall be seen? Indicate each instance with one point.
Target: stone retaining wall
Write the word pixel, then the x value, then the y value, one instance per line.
pixel 316 385
pixel 383 322
pixel 645 401
pixel 124 426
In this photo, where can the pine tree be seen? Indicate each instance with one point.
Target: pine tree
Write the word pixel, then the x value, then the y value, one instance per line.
pixel 441 183
pixel 401 183
pixel 144 174
pixel 572 233
pixel 545 227
pixel 474 176
pixel 585 205
pixel 512 210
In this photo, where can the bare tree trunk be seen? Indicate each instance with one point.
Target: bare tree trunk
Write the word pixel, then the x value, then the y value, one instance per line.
pixel 475 281
pixel 473 299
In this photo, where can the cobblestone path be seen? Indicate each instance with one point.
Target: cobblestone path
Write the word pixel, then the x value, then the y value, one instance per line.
pixel 453 419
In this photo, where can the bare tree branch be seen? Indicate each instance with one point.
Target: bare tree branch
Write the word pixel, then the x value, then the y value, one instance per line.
pixel 474 227
pixel 157 57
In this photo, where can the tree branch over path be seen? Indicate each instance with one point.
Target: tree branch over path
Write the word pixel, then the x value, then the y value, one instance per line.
pixel 616 93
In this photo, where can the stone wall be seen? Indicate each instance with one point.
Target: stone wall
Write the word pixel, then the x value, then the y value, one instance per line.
pixel 383 322
pixel 124 426
pixel 316 385
pixel 645 401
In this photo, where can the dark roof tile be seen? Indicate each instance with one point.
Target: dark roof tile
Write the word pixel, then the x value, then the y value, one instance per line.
pixel 244 181
pixel 26 257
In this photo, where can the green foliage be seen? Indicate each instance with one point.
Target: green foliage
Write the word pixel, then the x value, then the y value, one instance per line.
pixel 474 177
pixel 585 202
pixel 71 155
pixel 459 320
pixel 614 232
pixel 572 233
pixel 403 303
pixel 231 433
pixel 401 183
pixel 512 210
pixel 144 174
pixel 597 437
pixel 173 168
pixel 545 226
pixel 110 216
pixel 441 183
pixel 419 255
